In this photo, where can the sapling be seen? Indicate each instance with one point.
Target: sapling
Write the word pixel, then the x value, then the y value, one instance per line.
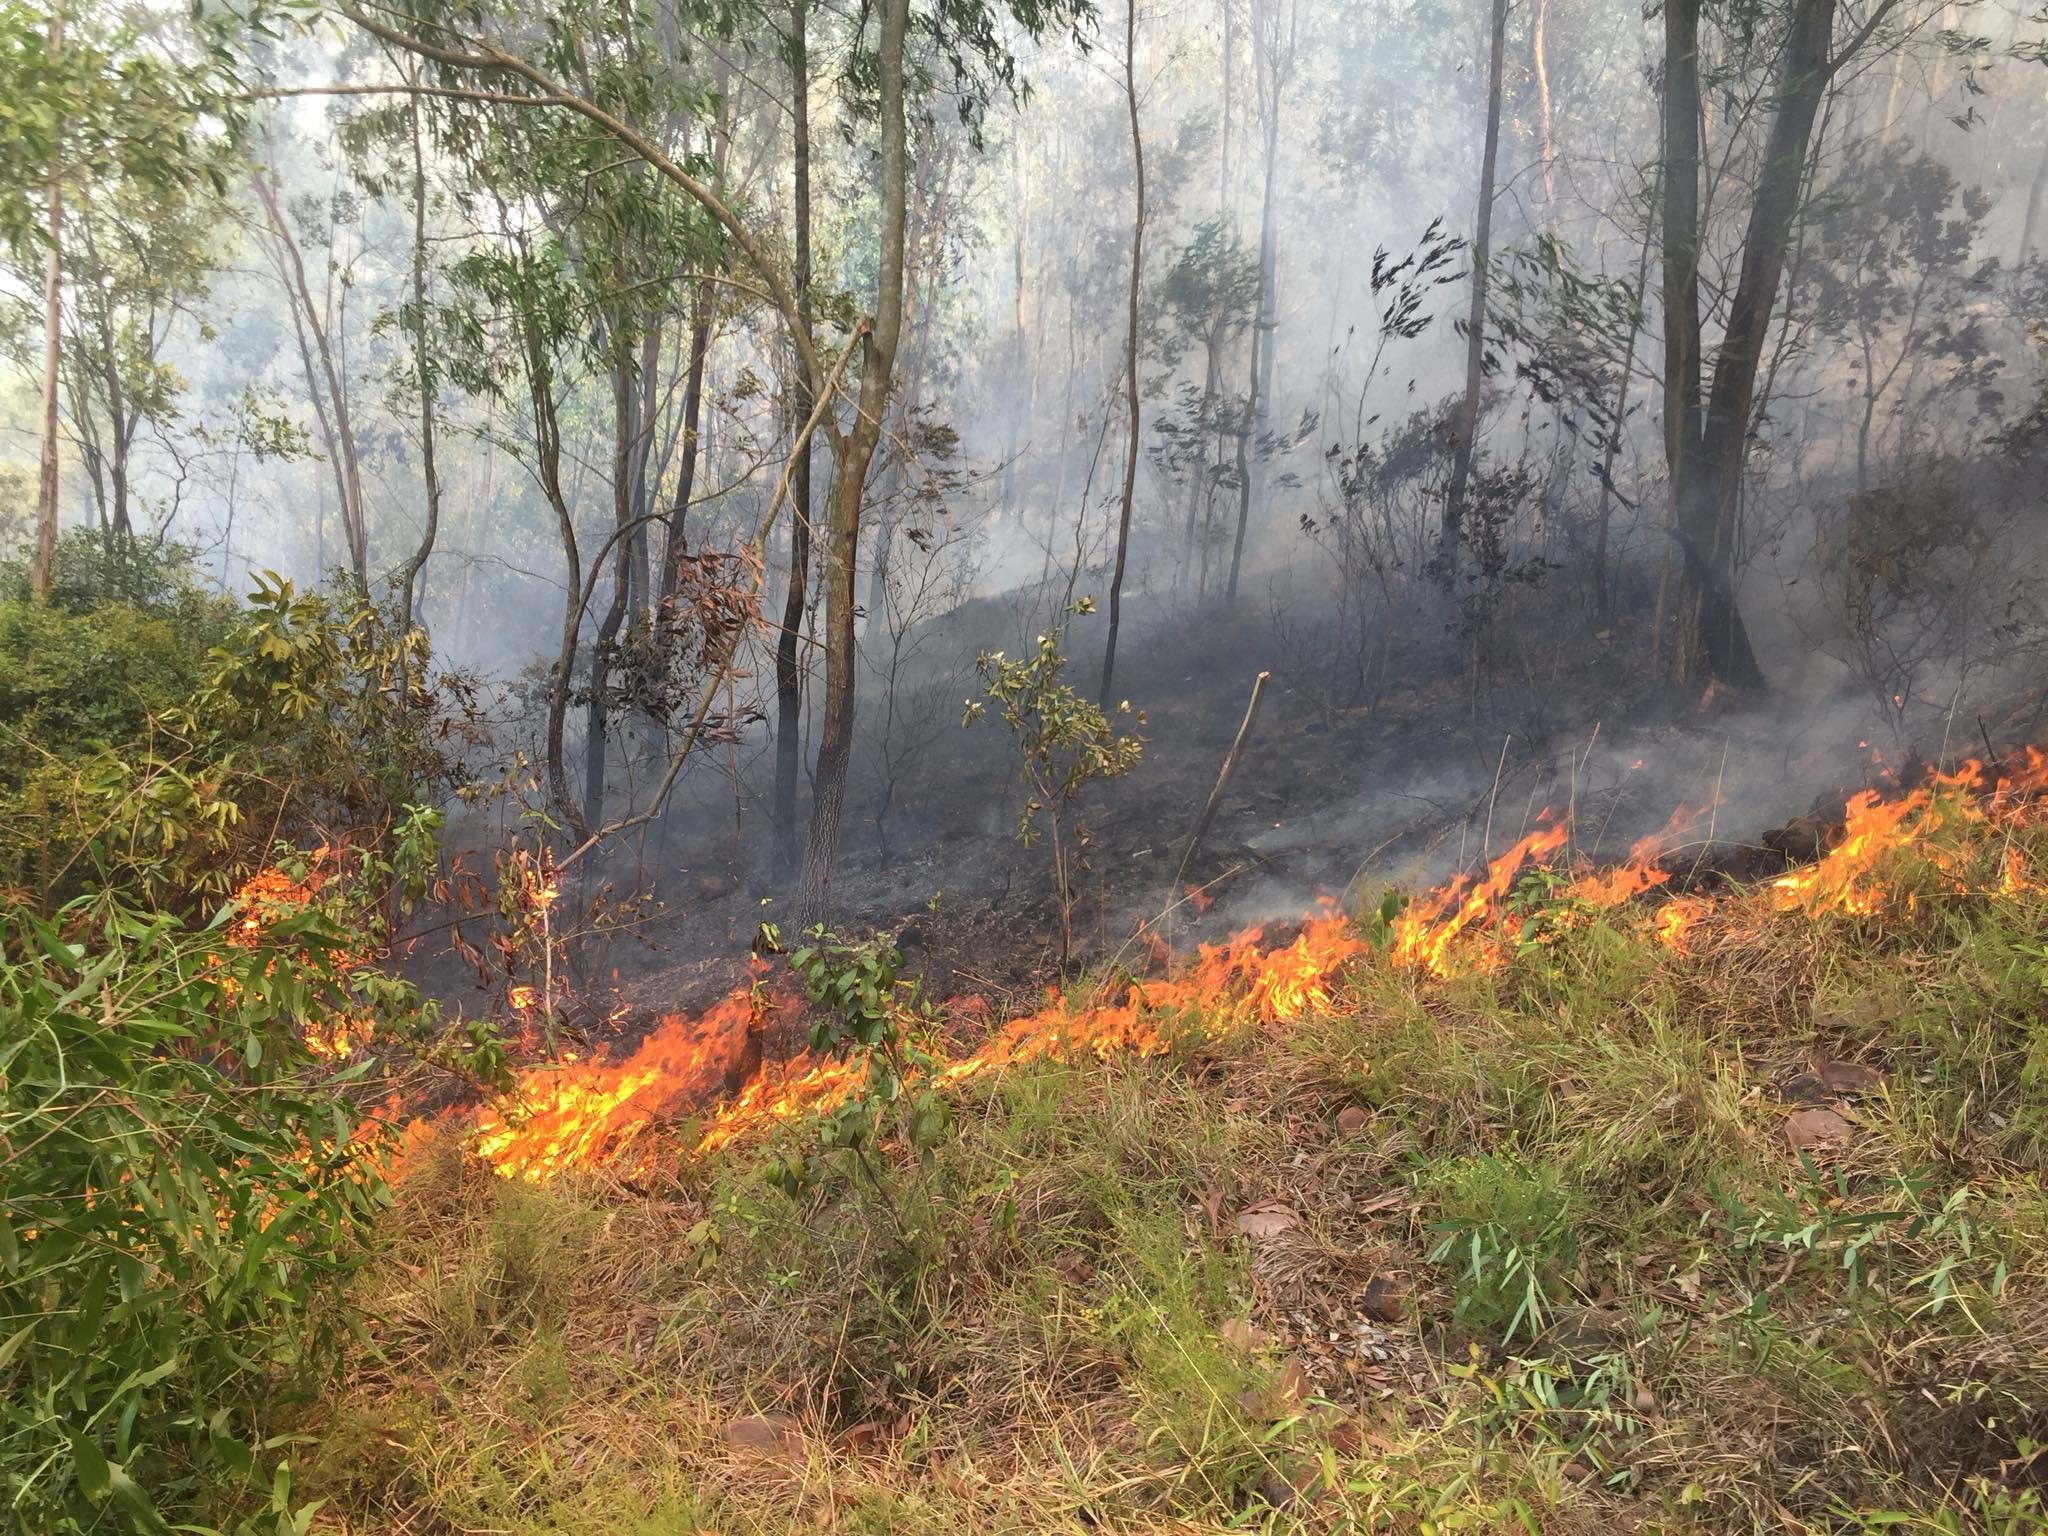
pixel 1066 742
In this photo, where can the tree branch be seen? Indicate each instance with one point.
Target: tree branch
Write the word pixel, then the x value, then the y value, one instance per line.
pixel 487 59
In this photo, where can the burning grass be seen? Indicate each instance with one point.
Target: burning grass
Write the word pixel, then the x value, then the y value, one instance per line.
pixel 1605 1220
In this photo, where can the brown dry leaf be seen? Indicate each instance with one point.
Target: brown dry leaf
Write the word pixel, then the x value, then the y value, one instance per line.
pixel 1244 1335
pixel 865 1436
pixel 1267 1219
pixel 1850 1077
pixel 1278 1397
pixel 766 1434
pixel 1212 1206
pixel 1351 1119
pixel 1289 1387
pixel 1811 1128
pixel 1074 1268
pixel 1385 1299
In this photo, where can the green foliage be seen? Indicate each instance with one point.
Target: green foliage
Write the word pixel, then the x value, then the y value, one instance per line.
pixel 1507 1229
pixel 188 1185
pixel 866 1008
pixel 129 99
pixel 157 741
pixel 1066 741
pixel 1901 1238
pixel 119 646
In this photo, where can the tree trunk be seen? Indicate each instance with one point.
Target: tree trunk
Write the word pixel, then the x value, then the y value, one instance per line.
pixel 1546 145
pixel 2036 190
pixel 1707 476
pixel 703 313
pixel 348 477
pixel 1603 591
pixel 1465 428
pixel 677 544
pixel 1270 67
pixel 922 262
pixel 408 578
pixel 640 587
pixel 789 696
pixel 597 709
pixel 852 453
pixel 1123 527
pixel 547 441
pixel 43 562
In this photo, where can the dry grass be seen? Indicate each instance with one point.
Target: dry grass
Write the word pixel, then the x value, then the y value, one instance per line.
pixel 1060 1325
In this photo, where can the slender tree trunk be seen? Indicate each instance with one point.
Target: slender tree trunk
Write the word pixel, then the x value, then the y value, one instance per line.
pixel 1270 65
pixel 1199 473
pixel 1131 404
pixel 1709 490
pixel 1603 592
pixel 597 710
pixel 1224 204
pixel 703 314
pixel 641 583
pixel 920 288
pixel 428 383
pixel 1546 143
pixel 789 693
pixel 2036 191
pixel 43 562
pixel 852 454
pixel 1465 429
pixel 341 435
pixel 677 544
pixel 547 440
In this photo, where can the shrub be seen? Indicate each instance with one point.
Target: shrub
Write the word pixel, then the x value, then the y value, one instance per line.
pixel 157 741
pixel 192 1169
pixel 1066 743
pixel 183 1201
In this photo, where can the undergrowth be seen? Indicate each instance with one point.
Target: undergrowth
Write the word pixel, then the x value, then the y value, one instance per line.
pixel 1527 1251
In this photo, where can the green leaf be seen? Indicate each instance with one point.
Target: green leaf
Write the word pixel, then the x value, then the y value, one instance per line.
pixel 89 1464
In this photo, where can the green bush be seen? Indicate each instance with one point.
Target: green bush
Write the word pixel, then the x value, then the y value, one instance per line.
pixel 191 1173
pixel 121 642
pixel 155 741
pixel 1505 1231
pixel 186 1192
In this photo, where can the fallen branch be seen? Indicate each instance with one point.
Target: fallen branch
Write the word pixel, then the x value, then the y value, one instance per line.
pixel 1230 758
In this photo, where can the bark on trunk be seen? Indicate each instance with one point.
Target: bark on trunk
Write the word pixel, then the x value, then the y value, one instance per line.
pixel 408 578
pixel 1708 453
pixel 1465 429
pixel 789 697
pixel 1546 146
pixel 852 453
pixel 597 709
pixel 1270 64
pixel 1131 404
pixel 334 421
pixel 43 562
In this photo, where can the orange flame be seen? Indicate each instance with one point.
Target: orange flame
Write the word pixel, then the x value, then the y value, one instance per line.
pixel 598 1114
pixel 604 1114
pixel 1424 933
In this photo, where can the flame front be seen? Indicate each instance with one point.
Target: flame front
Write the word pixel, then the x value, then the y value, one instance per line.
pixel 599 1115
pixel 602 1114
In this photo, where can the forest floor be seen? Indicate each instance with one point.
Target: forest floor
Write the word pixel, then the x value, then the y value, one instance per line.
pixel 1342 790
pixel 1742 1231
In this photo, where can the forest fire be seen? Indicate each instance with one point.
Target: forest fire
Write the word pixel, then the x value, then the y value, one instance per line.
pixel 630 1114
